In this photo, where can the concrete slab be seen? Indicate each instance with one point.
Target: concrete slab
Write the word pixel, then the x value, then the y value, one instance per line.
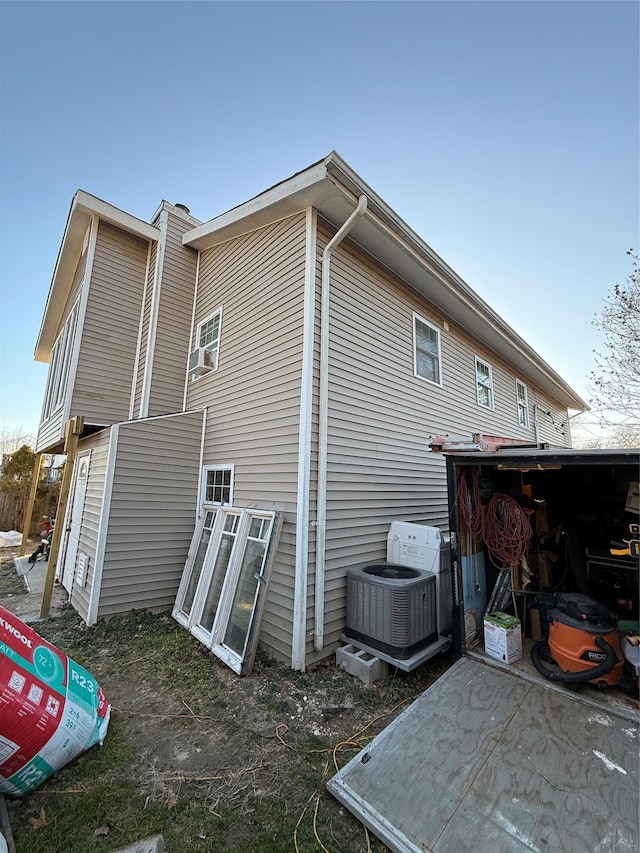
pixel 27 607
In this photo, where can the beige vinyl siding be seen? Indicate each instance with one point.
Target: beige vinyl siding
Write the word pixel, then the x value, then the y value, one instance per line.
pixel 174 321
pixel 98 444
pixel 553 427
pixel 145 322
pixel 462 413
pixel 381 418
pixel 102 389
pixel 152 512
pixel 254 395
pixel 51 431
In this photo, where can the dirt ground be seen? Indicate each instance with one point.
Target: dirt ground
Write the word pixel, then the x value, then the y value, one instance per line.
pixel 213 761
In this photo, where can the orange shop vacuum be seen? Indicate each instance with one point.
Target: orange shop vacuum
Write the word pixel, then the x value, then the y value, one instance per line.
pixel 583 644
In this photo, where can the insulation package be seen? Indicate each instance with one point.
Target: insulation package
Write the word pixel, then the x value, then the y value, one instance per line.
pixel 51 709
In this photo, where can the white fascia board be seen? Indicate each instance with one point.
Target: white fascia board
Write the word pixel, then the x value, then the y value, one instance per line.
pixel 95 206
pixel 286 198
pixel 83 207
pixel 388 238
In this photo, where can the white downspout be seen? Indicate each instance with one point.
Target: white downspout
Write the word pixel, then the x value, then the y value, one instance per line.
pixel 145 396
pixel 301 584
pixel 323 420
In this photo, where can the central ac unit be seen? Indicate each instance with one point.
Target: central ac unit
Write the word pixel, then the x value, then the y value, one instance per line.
pixel 391 608
pixel 201 360
pixel 424 547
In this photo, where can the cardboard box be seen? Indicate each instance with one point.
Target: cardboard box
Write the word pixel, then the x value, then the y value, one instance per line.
pixel 502 637
pixel 633 498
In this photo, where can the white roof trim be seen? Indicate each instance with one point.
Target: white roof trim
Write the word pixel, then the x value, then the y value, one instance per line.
pixel 282 200
pixel 83 207
pixel 84 202
pixel 333 189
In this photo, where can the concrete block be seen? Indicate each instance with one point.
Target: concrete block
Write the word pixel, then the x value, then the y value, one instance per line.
pixel 361 663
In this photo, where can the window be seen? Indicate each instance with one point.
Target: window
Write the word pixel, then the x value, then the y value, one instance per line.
pixel 59 365
pixel 225 581
pixel 195 562
pixel 484 384
pixel 523 403
pixel 205 357
pixel 426 350
pixel 218 485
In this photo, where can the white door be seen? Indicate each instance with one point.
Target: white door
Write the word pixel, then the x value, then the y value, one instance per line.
pixel 74 522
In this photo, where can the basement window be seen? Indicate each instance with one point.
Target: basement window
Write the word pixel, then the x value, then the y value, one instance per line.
pixel 218 484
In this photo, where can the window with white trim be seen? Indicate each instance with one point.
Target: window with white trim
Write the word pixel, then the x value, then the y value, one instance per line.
pixel 225 581
pixel 522 403
pixel 59 365
pixel 426 351
pixel 207 345
pixel 218 485
pixel 484 384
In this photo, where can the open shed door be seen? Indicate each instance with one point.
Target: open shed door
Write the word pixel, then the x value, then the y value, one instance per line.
pixel 486 760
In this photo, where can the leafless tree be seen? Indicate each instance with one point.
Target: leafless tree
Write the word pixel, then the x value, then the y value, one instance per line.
pixel 615 381
pixel 13 438
pixel 626 436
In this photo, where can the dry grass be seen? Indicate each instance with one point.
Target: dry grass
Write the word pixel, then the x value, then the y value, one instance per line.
pixel 212 761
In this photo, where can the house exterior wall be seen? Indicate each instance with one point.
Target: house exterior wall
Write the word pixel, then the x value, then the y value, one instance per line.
pixel 98 444
pixel 175 307
pixel 253 398
pixel 154 473
pixel 51 429
pixel 133 343
pixel 381 418
pixel 102 384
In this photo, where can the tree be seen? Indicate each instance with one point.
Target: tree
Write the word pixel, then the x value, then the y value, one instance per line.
pixel 621 436
pixel 12 438
pixel 17 470
pixel 615 381
pixel 627 435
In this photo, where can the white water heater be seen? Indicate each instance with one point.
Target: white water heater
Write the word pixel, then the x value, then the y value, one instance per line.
pixel 418 546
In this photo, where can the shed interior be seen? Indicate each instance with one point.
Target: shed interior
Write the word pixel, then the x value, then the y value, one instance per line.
pixel 581 515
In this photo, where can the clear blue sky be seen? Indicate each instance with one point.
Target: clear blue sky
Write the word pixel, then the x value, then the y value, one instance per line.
pixel 504 133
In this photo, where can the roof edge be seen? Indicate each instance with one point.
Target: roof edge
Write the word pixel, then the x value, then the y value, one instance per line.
pixel 331 176
pixel 83 207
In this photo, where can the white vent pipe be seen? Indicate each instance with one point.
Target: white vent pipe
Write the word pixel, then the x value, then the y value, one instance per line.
pixel 323 420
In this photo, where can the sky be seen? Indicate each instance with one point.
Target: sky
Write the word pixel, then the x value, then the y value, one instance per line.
pixel 504 132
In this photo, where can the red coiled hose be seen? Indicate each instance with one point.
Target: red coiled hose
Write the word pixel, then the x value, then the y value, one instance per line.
pixel 506 528
pixel 471 515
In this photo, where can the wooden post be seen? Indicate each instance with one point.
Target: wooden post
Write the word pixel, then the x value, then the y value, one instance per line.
pixel 73 430
pixel 35 479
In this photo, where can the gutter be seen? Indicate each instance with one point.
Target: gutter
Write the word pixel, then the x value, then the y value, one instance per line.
pixel 323 419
